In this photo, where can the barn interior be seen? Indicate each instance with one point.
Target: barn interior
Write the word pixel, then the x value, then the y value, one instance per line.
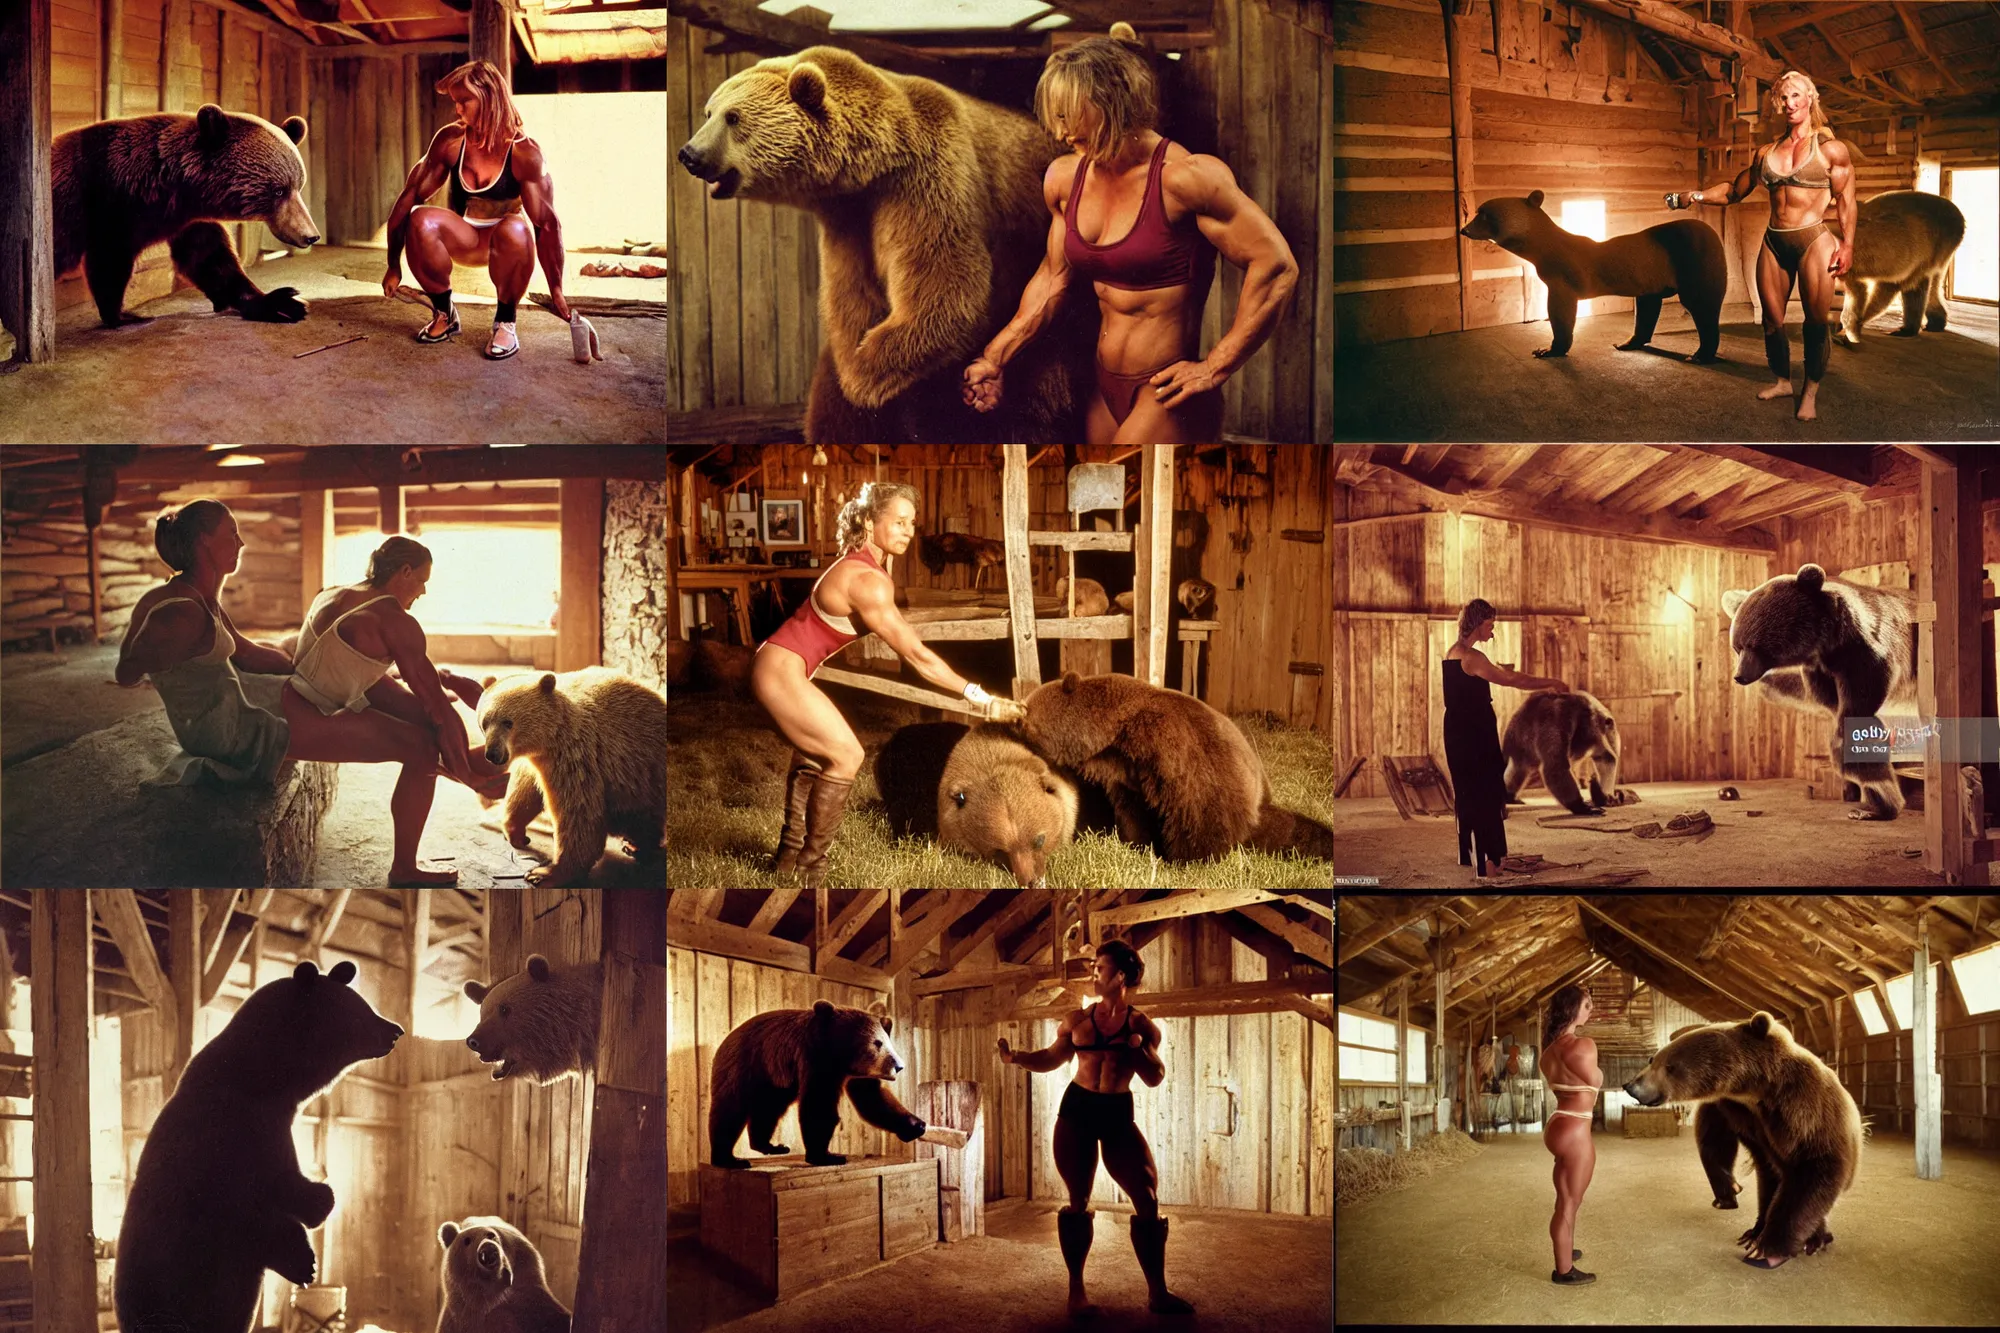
pixel 109 993
pixel 1442 1005
pixel 961 1225
pixel 1246 80
pixel 1611 563
pixel 1219 553
pixel 1607 107
pixel 544 558
pixel 589 86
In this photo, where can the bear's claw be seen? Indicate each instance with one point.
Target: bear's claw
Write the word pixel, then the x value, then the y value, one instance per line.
pixel 281 305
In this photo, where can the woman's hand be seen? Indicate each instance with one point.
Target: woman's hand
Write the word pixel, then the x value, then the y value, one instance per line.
pixel 456 761
pixel 1006 1054
pixel 1843 259
pixel 983 379
pixel 392 282
pixel 1182 380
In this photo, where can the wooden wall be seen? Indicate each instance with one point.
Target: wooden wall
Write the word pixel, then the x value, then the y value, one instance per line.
pixel 746 275
pixel 371 120
pixel 1877 1070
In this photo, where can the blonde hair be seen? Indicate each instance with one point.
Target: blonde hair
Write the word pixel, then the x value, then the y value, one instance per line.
pixel 1100 72
pixel 851 527
pixel 395 554
pixel 176 531
pixel 1815 114
pixel 1476 613
pixel 497 122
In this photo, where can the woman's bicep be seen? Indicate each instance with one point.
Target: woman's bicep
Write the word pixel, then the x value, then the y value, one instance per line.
pixel 874 601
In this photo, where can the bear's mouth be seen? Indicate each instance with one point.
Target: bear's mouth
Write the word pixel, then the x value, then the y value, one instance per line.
pixel 723 186
pixel 504 1068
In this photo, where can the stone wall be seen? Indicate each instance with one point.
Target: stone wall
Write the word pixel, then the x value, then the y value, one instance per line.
pixel 635 579
pixel 45 574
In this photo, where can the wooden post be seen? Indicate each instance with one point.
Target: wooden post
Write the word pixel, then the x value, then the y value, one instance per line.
pixel 1403 1058
pixel 1437 1020
pixel 315 545
pixel 1924 1078
pixel 1948 665
pixel 1152 550
pixel 65 1276
pixel 184 974
pixel 27 227
pixel 416 940
pixel 578 644
pixel 1461 153
pixel 391 513
pixel 1020 579
pixel 490 33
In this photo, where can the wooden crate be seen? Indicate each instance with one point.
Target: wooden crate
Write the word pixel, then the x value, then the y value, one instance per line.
pixel 1652 1122
pixel 785 1227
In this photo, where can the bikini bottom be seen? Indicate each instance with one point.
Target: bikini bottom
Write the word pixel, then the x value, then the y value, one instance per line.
pixel 1580 1115
pixel 1788 245
pixel 1121 392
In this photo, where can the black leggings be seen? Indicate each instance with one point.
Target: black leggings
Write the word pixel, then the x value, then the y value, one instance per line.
pixel 1087 1119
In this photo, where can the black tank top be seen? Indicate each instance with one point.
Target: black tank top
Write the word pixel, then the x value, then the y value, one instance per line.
pixel 503 188
pixel 1103 1038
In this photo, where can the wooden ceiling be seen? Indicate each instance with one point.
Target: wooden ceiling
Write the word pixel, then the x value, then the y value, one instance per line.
pixel 1723 957
pixel 1727 496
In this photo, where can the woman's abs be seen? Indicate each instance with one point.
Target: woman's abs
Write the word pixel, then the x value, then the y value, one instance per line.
pixel 1143 331
pixel 1793 206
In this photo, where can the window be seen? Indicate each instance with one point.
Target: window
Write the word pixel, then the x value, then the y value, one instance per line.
pixel 1978 978
pixel 503 578
pixel 1900 1000
pixel 1870 1013
pixel 1367 1051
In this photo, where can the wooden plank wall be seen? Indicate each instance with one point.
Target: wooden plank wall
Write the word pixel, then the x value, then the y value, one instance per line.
pixel 453 1168
pixel 708 997
pixel 371 121
pixel 1875 1069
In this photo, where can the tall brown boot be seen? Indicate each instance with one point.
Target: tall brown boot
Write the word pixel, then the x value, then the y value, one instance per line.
pixel 798 787
pixel 1149 1242
pixel 1074 1230
pixel 824 807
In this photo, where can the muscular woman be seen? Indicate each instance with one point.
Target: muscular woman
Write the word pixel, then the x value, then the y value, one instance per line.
pixel 1569 1067
pixel 876 525
pixel 1111 1041
pixel 499 184
pixel 1804 170
pixel 1170 211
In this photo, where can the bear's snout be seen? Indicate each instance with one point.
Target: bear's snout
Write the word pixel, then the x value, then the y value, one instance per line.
pixel 1640 1093
pixel 496 754
pixel 692 159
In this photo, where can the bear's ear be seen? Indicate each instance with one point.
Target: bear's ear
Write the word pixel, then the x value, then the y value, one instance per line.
pixel 822 1010
pixel 295 128
pixel 1535 199
pixel 1760 1024
pixel 447 1234
pixel 547 684
pixel 1070 681
pixel 305 971
pixel 476 991
pixel 343 971
pixel 807 86
pixel 1812 578
pixel 538 967
pixel 1732 602
pixel 211 127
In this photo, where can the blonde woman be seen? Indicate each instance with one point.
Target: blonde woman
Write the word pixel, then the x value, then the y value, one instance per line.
pixel 874 527
pixel 1805 170
pixel 499 184
pixel 1140 218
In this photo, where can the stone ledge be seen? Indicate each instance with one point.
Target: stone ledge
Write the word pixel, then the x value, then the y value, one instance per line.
pixel 79 816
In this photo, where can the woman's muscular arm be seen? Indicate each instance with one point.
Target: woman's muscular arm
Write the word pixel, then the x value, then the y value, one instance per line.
pixel 1245 235
pixel 1145 1058
pixel 1039 301
pixel 1840 178
pixel 1055 1056
pixel 423 182
pixel 874 600
pixel 1721 196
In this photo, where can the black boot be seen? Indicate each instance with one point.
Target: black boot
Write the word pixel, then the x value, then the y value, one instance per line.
pixel 798 791
pixel 1075 1231
pixel 1149 1242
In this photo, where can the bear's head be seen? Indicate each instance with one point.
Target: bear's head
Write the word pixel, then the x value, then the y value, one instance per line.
pixel 484 1260
pixel 795 129
pixel 522 715
pixel 1001 802
pixel 1506 222
pixel 855 1038
pixel 531 1023
pixel 1785 622
pixel 1716 1060
pixel 295 1035
pixel 1071 719
pixel 243 166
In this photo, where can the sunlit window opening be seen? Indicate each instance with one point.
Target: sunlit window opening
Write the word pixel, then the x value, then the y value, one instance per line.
pixel 481 578
pixel 1367 1051
pixel 1585 217
pixel 1978 978
pixel 1899 993
pixel 1870 1012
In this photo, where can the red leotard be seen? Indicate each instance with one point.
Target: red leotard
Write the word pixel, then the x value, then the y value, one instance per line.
pixel 812 633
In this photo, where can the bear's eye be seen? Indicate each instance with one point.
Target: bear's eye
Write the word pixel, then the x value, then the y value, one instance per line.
pixel 958 799
pixel 729 117
pixel 503 1010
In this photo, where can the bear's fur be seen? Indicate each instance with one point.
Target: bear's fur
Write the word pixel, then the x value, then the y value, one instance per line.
pixel 541 1023
pixel 1000 802
pixel 806 1056
pixel 931 219
pixel 1181 777
pixel 494 1281
pixel 118 186
pixel 218 1196
pixel 1836 648
pixel 1550 732
pixel 593 745
pixel 1781 1102
pixel 1683 258
pixel 1902 241
pixel 1090 598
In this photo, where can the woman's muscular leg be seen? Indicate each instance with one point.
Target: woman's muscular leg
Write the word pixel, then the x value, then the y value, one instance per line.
pixel 512 250
pixel 1076 1163
pixel 805 716
pixel 1774 293
pixel 1130 1162
pixel 1816 297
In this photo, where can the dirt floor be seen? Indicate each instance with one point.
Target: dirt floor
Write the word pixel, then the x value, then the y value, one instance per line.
pixel 1819 845
pixel 1905 1252
pixel 1488 385
pixel 193 376
pixel 1013 1279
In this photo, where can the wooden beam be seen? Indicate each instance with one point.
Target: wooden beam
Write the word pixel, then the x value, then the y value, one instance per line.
pixel 185 974
pixel 417 938
pixel 621 1277
pixel 1254 997
pixel 866 903
pixel 970 979
pixel 64 1278
pixel 217 906
pixel 775 905
pixel 328 921
pixel 915 938
pixel 1301 938
pixel 118 909
pixel 1152 564
pixel 1914 28
pixel 579 641
pixel 1026 903
pixel 315 545
pixel 244 928
pixel 1185 902
pixel 1015 519
pixel 769 32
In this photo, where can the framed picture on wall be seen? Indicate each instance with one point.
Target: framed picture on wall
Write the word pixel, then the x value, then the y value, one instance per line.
pixel 784 520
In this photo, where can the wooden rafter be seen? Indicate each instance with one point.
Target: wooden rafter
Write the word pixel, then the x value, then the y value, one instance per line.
pixel 858 913
pixel 1253 997
pixel 240 929
pixel 118 909
pixel 417 938
pixel 328 921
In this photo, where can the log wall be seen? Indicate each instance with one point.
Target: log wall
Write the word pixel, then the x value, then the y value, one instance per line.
pixel 635 575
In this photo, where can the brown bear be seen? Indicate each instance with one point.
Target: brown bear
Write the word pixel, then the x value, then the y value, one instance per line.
pixel 218 1196
pixel 931 219
pixel 1181 777
pixel 541 1022
pixel 494 1281
pixel 118 186
pixel 1002 803
pixel 1090 598
pixel 593 744
pixel 1902 241
pixel 1683 258
pixel 806 1056
pixel 1760 1088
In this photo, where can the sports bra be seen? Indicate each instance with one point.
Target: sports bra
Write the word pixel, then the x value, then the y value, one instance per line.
pixel 1798 176
pixel 1104 1039
pixel 1155 253
pixel 500 189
